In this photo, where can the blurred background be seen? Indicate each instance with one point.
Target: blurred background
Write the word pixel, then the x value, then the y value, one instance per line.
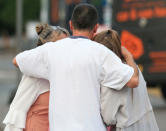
pixel 140 23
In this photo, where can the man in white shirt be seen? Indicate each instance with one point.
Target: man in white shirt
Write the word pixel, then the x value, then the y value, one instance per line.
pixel 77 68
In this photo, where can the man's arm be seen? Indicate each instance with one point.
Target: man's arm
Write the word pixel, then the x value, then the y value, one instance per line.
pixel 15 62
pixel 33 62
pixel 115 74
pixel 134 81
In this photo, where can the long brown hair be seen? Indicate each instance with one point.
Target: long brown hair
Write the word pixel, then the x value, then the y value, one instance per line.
pixel 111 40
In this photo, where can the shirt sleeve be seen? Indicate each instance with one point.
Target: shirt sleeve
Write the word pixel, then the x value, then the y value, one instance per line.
pixel 115 74
pixel 34 62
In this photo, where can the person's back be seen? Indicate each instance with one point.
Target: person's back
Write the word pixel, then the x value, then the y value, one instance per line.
pixel 76 67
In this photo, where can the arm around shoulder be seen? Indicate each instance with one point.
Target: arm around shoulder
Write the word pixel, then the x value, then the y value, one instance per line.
pixel 33 62
pixel 134 81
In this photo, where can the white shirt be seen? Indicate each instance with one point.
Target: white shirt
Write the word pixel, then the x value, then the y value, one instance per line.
pixel 28 91
pixel 76 68
pixel 130 108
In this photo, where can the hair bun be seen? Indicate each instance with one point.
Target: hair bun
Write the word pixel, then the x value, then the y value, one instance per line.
pixel 43 30
pixel 39 28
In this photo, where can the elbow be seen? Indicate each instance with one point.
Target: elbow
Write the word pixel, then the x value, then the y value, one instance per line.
pixel 15 62
pixel 133 83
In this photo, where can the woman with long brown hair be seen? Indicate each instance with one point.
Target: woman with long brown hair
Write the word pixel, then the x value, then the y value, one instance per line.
pixel 129 109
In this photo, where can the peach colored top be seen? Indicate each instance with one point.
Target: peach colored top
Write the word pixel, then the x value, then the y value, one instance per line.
pixel 37 117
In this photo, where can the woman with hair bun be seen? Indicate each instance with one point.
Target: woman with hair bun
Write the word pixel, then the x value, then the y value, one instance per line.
pixel 29 109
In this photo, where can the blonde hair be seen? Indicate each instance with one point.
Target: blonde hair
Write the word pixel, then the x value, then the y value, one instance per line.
pixel 48 33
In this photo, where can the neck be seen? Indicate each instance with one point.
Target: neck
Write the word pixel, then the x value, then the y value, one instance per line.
pixel 87 34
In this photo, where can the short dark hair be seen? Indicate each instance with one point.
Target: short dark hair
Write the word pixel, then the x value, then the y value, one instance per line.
pixel 84 17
